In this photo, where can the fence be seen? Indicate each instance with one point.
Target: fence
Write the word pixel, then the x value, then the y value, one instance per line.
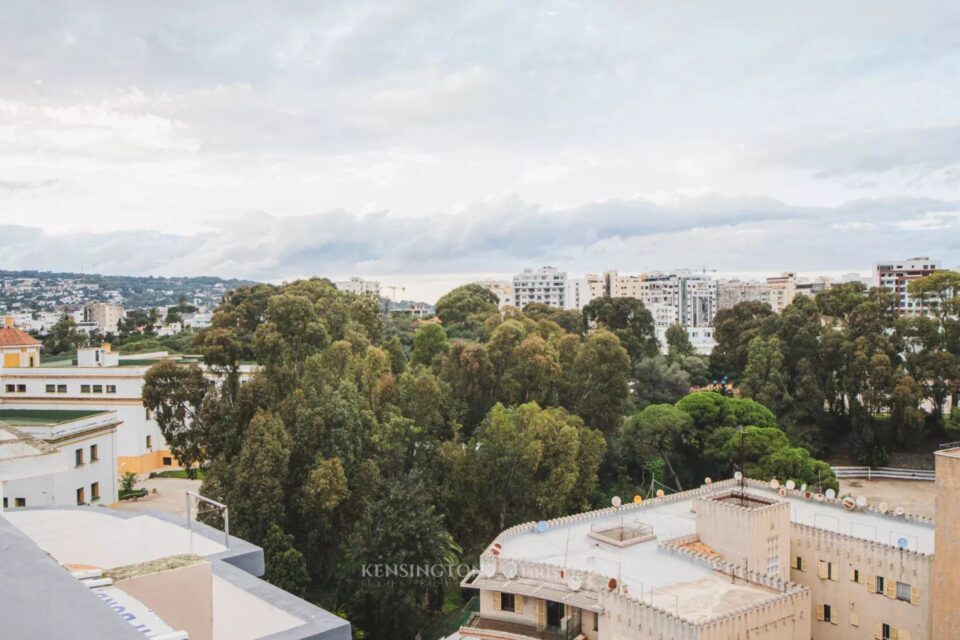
pixel 886 473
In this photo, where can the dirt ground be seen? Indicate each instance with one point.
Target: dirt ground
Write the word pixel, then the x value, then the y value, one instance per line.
pixel 915 496
pixel 170 495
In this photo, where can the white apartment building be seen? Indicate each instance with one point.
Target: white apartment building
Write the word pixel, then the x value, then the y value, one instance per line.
pixel 545 285
pixel 580 291
pixel 359 286
pixel 503 290
pixel 83 444
pixel 107 316
pixel 728 560
pixel 681 297
pixel 895 275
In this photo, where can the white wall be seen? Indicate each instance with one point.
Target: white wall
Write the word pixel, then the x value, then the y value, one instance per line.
pixel 60 489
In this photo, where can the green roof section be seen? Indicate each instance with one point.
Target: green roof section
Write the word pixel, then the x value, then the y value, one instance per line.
pixel 41 417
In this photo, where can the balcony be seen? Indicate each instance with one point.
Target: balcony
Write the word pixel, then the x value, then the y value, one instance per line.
pixel 478 626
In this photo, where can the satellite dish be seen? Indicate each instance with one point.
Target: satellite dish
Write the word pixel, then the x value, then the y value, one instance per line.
pixel 803 487
pixel 707 480
pixel 791 485
pixel 783 492
pixel 831 494
pixel 541 526
pixel 612 584
pixel 637 499
pixel 903 543
pixel 819 497
pixel 738 476
pixel 660 493
pixel 883 507
pixel 807 495
pixel 574 583
pixel 861 501
pixel 496 548
pixel 615 501
pixel 898 511
pixel 774 484
pixel 848 503
pixel 510 570
pixel 488 567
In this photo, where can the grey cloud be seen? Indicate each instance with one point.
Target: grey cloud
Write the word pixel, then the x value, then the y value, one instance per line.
pixel 501 236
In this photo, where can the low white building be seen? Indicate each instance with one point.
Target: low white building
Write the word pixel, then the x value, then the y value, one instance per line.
pixel 84 442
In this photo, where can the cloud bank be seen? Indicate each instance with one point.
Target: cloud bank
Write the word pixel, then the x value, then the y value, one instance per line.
pixel 506 234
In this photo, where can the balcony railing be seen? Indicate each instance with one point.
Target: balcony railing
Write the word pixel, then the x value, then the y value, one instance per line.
pixel 509 630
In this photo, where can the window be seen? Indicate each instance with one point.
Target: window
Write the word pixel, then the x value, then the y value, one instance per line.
pixel 111 388
pixel 78 457
pixel 856 575
pixel 81 496
pixel 879 584
pixel 84 388
pixel 21 388
pixel 885 631
pixel 11 388
pixel 773 555
pixel 167 461
pixel 798 563
pixel 826 570
pixel 51 388
pixel 903 591
pixel 94 452
pixel 827 612
pixel 20 502
pixel 149 442
pixel 61 388
pixel 95 491
pixel 98 388
pixel 508 602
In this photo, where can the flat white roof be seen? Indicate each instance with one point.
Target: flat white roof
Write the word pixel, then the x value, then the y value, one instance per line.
pixel 79 536
pixel 869 525
pixel 641 566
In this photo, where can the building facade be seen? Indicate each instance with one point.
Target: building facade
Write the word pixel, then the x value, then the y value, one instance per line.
pixel 503 290
pixel 896 275
pixel 359 286
pixel 545 285
pixel 728 560
pixel 85 443
pixel 105 315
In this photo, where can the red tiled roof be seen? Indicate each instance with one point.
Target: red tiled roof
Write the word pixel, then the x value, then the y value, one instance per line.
pixel 13 337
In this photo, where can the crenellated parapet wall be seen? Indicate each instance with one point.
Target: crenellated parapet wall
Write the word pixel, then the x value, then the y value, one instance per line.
pixel 599 514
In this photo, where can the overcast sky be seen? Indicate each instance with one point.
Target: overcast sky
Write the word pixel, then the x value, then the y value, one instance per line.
pixel 419 141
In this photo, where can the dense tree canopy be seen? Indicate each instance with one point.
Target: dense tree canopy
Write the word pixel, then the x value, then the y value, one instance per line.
pixel 363 439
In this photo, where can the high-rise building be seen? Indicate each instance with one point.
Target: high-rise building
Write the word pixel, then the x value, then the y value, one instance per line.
pixel 106 315
pixel 896 275
pixel 730 293
pixel 359 286
pixel 545 285
pixel 781 290
pixel 680 297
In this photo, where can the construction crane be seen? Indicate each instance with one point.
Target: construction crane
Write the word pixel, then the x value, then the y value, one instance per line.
pixel 393 291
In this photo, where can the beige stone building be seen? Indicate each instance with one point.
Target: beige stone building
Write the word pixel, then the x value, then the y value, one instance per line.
pixel 106 315
pixel 727 561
